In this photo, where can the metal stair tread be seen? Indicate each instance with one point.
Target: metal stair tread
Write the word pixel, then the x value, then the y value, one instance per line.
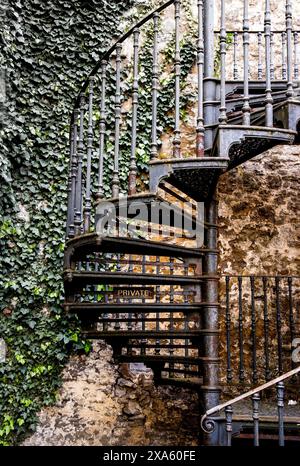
pixel 79 247
pixel 147 358
pixel 132 278
pixel 135 307
pixel 131 334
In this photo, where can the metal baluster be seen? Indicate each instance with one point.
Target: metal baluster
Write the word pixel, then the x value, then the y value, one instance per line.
pixel 88 205
pixel 200 70
pixel 79 180
pixel 228 416
pixel 284 66
pixel 177 133
pixel 266 329
pixel 260 65
pixel 241 336
pixel 73 175
pixel 186 327
pixel 70 227
pixel 155 84
pixel 278 324
pixel 246 106
pixel 291 314
pixel 171 365
pixel 280 405
pixel 116 180
pixel 235 51
pixel 157 343
pixel 296 64
pixel 105 314
pixel 102 129
pixel 228 332
pixel 255 417
pixel 135 101
pixel 130 270
pixel 144 340
pixel 272 70
pixel 253 331
pixel 223 37
pixel 269 98
pixel 289 54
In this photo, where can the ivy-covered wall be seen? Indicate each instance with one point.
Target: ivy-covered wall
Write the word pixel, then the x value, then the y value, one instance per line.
pixel 47 49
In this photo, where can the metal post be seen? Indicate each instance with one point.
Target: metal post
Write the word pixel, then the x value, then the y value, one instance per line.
pixel 246 107
pixel 289 42
pixel 210 82
pixel 210 390
pixel 200 69
pixel 269 98
pixel 223 116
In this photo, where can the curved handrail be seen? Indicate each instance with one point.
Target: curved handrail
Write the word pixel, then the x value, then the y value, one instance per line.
pixel 248 395
pixel 121 39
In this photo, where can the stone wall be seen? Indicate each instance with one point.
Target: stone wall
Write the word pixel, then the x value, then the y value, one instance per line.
pixel 104 404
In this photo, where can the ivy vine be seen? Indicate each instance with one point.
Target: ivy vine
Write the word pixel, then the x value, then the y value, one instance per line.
pixel 47 49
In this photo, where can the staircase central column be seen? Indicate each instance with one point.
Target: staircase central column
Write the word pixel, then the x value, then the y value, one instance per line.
pixel 210 82
pixel 210 392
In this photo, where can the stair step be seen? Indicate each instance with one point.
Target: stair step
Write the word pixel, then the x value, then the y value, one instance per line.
pixel 129 334
pixel 80 278
pixel 172 214
pixel 78 248
pixel 192 383
pixel 95 309
pixel 158 358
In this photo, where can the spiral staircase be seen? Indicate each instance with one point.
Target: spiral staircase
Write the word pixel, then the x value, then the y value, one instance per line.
pixel 141 257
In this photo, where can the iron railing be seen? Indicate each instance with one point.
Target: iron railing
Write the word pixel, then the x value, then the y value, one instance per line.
pixel 108 105
pixel 208 423
pixel 260 321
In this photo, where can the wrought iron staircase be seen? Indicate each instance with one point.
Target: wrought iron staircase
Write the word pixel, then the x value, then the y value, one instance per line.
pixel 149 285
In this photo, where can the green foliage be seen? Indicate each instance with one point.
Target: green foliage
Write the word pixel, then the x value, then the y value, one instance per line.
pixel 47 49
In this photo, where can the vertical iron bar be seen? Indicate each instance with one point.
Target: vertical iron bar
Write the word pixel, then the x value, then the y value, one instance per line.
pixel 177 133
pixel 269 98
pixel 171 365
pixel 73 175
pixel 116 180
pixel 266 329
pixel 278 325
pixel 79 180
pixel 241 336
pixel 291 314
pixel 200 70
pixel 223 37
pixel 102 129
pixel 228 416
pixel 272 70
pixel 157 343
pixel 260 65
pixel 155 84
pixel 228 331
pixel 235 51
pixel 70 227
pixel 280 406
pixel 246 107
pixel 289 53
pixel 88 205
pixel 209 83
pixel 135 97
pixel 255 417
pixel 284 66
pixel 253 331
pixel 296 64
